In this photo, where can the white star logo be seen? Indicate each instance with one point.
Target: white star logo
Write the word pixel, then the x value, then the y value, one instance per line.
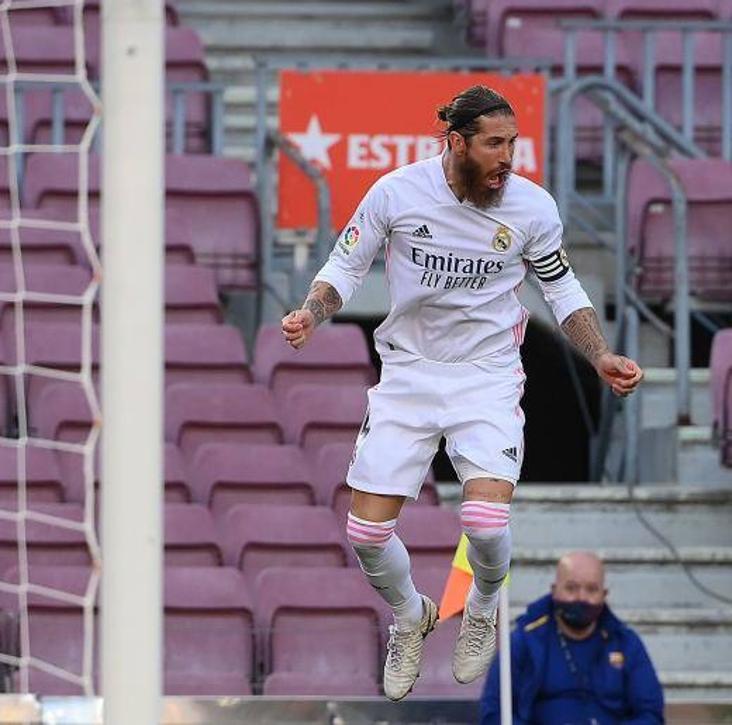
pixel 314 144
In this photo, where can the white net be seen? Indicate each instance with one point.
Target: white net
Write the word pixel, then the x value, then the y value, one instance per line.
pixel 48 330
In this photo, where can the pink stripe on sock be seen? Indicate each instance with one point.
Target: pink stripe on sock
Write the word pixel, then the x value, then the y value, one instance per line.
pixel 353 526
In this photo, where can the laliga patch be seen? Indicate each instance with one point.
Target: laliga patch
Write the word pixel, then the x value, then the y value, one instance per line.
pixel 616 659
pixel 502 239
pixel 349 239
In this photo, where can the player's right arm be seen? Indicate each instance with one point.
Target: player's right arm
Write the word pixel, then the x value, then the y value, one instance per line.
pixel 341 275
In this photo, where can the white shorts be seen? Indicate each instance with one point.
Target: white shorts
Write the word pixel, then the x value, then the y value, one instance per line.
pixel 474 405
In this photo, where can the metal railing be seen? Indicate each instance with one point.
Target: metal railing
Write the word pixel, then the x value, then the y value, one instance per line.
pixel 643 134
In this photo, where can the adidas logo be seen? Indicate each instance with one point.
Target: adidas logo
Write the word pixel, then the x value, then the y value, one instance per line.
pixel 422 232
pixel 510 453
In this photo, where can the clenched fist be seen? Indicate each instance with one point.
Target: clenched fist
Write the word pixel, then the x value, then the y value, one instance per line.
pixel 297 327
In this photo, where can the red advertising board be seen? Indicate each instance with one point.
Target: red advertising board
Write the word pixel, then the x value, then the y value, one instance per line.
pixel 357 126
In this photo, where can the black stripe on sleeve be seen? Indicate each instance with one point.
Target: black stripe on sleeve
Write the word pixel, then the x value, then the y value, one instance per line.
pixel 551 267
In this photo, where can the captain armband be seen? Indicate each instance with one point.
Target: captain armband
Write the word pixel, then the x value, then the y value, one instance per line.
pixel 551 267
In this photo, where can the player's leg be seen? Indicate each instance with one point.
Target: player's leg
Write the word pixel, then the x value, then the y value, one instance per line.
pixel 392 456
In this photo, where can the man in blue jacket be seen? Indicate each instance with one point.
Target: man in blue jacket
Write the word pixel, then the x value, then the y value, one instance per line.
pixel 573 662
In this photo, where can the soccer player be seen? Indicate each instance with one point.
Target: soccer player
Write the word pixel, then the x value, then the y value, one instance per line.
pixel 460 232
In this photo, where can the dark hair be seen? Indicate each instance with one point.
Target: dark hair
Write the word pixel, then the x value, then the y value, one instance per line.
pixel 462 113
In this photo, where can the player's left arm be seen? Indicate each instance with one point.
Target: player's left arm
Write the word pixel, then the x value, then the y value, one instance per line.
pixel 569 302
pixel 622 374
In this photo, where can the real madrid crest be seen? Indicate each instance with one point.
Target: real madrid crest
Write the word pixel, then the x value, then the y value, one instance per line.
pixel 502 239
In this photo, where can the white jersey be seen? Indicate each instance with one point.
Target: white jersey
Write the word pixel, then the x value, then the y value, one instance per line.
pixel 453 269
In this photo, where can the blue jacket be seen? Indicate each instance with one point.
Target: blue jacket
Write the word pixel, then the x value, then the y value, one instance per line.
pixel 625 683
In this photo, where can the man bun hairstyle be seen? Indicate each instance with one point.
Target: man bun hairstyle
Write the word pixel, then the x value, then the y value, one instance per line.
pixel 463 112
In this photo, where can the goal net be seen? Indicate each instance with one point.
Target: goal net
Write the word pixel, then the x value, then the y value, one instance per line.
pixel 49 277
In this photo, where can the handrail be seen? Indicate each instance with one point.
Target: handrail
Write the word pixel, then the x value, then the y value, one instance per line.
pixel 640 139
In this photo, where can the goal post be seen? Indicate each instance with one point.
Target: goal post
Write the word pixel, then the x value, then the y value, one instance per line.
pixel 132 360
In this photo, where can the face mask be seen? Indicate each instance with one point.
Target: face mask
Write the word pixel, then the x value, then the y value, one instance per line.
pixel 578 615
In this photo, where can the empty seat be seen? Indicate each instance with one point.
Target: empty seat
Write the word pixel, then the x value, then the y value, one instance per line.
pixel 330 468
pixel 177 485
pixel 54 294
pixel 43 482
pixel 46 543
pixel 720 366
pixel 337 354
pixel 256 537
pixel 190 295
pixel 190 536
pixel 38 112
pixel 708 187
pixel 41 49
pixel 42 246
pixel 320 414
pixel 201 413
pixel 206 353
pixel 56 627
pixel 226 474
pixel 61 411
pixel 320 632
pixel 208 630
pixel 431 534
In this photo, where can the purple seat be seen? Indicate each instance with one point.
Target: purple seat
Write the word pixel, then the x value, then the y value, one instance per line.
pixel 330 467
pixel 30 17
pixel 61 411
pixel 431 534
pixel 190 536
pixel 338 354
pixel 209 632
pixel 45 49
pixel 226 474
pixel 720 365
pixel 436 679
pixel 42 246
pixel 78 112
pixel 201 188
pixel 259 536
pixel 205 353
pixel 42 476
pixel 61 280
pixel 46 543
pixel 708 186
pixel 55 627
pixel 320 414
pixel 190 295
pixel 177 486
pixel 198 188
pixel 320 632
pixel 202 413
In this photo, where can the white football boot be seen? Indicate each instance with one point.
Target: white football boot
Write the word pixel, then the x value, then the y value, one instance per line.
pixel 475 647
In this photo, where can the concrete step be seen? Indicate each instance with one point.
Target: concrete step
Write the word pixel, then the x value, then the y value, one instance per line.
pixel 308 11
pixel 698 461
pixel 658 397
pixel 289 35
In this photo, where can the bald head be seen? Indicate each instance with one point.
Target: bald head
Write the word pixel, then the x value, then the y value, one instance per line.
pixel 580 576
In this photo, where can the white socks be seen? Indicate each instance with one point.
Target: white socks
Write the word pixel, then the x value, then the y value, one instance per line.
pixel 385 561
pixel 486 525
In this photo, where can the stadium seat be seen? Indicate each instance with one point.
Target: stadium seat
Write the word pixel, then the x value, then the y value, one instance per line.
pixel 190 295
pixel 60 410
pixel 34 16
pixel 337 354
pixel 40 48
pixel 198 188
pixel 177 486
pixel 37 106
pixel 216 413
pixel 190 536
pixel 43 482
pixel 330 466
pixel 320 414
pixel 258 536
pixel 226 474
pixel 708 186
pixel 320 632
pixel 720 366
pixel 431 534
pixel 205 353
pixel 208 632
pixel 55 627
pixel 41 246
pixel 46 543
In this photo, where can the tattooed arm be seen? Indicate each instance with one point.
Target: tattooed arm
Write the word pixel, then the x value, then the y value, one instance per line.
pixel 583 329
pixel 322 302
